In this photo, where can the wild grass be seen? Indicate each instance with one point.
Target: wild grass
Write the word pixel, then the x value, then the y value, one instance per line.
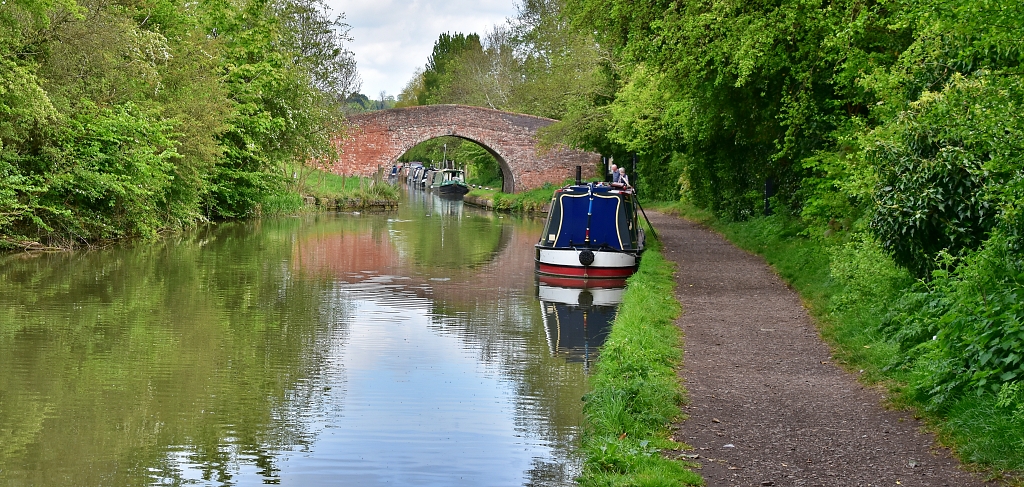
pixel 325 185
pixel 531 201
pixel 636 392
pixel 328 185
pixel 853 290
pixel 283 203
pixel 985 434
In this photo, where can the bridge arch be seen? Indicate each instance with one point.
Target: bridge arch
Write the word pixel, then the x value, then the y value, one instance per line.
pixel 507 175
pixel 378 139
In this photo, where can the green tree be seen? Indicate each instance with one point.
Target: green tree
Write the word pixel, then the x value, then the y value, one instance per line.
pixel 439 72
pixel 744 93
pixel 410 95
pixel 137 117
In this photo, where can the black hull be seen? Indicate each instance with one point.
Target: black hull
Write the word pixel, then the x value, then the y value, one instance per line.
pixel 451 191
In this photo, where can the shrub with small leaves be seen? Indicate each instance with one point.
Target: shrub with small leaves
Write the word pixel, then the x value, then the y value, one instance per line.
pixel 1011 396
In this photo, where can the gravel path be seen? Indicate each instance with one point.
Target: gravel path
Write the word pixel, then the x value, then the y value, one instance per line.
pixel 768 406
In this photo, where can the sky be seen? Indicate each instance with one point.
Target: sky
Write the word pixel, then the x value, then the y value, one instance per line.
pixel 391 38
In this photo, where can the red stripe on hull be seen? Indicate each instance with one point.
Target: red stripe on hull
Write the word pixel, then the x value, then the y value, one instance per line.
pixel 581 283
pixel 588 272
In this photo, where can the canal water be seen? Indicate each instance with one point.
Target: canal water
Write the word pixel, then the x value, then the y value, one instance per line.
pixel 413 347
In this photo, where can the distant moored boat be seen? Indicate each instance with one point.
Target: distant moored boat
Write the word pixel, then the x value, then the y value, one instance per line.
pixel 449 183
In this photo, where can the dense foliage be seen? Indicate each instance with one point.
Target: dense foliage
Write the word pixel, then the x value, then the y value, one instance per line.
pixel 534 63
pixel 440 70
pixel 129 118
pixel 885 128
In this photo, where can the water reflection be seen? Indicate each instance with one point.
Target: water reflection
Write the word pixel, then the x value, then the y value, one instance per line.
pixel 398 348
pixel 445 236
pixel 578 314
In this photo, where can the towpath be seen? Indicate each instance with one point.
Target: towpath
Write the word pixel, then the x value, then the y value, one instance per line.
pixel 767 405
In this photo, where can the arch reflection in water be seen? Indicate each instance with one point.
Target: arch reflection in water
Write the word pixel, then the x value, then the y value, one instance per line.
pixel 578 314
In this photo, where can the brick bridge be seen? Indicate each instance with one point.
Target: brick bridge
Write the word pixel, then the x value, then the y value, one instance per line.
pixel 377 139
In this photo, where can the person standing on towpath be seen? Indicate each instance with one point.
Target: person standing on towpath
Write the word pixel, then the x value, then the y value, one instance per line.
pixel 769 407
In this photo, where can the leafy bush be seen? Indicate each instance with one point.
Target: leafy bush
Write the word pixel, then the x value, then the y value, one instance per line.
pixel 926 207
pixel 960 339
pixel 961 334
pixel 945 165
pixel 1011 396
pixel 863 274
pixel 108 176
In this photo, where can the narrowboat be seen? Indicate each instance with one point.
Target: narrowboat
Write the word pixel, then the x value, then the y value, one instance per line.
pixel 425 177
pixel 592 232
pixel 415 172
pixel 449 183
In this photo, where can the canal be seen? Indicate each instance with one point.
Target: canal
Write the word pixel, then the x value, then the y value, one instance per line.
pixel 413 347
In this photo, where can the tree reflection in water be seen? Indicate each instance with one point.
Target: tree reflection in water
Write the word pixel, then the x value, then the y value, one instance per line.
pixel 228 356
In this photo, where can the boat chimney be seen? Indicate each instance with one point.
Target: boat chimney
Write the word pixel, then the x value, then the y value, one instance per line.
pixel 579 175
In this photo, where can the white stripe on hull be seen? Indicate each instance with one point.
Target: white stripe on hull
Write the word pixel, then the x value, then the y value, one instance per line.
pixel 601 297
pixel 571 257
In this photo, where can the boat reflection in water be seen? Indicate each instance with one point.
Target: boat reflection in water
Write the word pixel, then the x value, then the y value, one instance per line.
pixel 450 210
pixel 578 314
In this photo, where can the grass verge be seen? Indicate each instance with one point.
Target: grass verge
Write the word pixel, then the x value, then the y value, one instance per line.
pixel 851 289
pixel 284 203
pixel 348 190
pixel 636 393
pixel 531 201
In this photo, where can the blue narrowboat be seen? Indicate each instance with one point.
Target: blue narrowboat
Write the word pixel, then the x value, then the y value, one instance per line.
pixel 592 232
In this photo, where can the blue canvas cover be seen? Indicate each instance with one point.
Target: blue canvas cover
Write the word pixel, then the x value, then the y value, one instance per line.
pixel 604 215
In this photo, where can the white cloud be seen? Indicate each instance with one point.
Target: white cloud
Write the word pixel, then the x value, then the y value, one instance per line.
pixel 391 38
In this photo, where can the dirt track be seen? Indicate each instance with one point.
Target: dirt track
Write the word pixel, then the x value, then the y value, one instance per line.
pixel 767 405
